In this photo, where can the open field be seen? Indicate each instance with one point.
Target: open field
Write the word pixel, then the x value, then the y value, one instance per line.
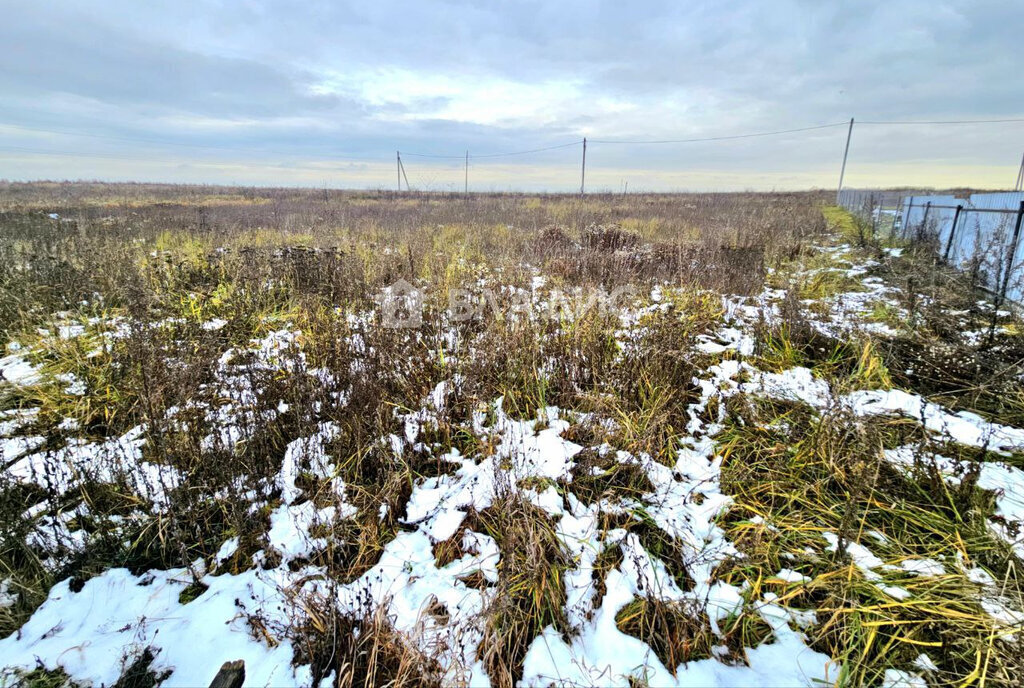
pixel 368 439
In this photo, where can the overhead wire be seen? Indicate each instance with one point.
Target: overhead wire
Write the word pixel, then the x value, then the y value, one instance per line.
pixel 465 156
pixel 493 155
pixel 720 138
pixel 947 121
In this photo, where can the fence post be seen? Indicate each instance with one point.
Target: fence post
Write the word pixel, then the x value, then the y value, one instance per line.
pixel 1013 252
pixel 892 227
pixel 875 210
pixel 924 218
pixel 952 232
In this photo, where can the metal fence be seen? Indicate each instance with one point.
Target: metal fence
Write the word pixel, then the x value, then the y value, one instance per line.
pixel 880 208
pixel 979 233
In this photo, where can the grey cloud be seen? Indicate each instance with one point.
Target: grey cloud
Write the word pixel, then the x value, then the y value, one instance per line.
pixel 90 60
pixel 157 71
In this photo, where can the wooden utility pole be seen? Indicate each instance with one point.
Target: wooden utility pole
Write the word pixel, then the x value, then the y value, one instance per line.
pixel 846 152
pixel 398 168
pixel 466 187
pixel 583 171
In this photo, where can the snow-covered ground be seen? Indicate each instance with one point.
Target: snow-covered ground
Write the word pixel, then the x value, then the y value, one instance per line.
pixel 94 632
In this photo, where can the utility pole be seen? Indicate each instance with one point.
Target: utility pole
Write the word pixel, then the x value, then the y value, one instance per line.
pixel 583 171
pixel 466 188
pixel 398 168
pixel 846 152
pixel 402 175
pixel 1019 186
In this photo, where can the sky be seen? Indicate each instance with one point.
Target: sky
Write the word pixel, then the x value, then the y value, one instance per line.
pixel 324 93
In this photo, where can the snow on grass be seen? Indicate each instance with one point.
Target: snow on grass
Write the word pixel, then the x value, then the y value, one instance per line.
pixel 685 505
pixel 867 562
pixel 923 567
pixel 13 447
pixel 214 324
pixel 924 663
pixel 13 420
pixel 895 678
pixel 289 529
pixel 407 580
pixel 964 427
pixel 404 581
pixel 17 370
pixel 1004 481
pixel 114 460
pixel 7 598
pixel 791 576
pixel 440 503
pixel 603 655
pixel 88 632
pixel 794 384
pixel 88 637
pixel 312 450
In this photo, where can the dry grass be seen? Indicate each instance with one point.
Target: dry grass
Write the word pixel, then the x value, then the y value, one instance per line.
pixel 157 262
pixel 530 594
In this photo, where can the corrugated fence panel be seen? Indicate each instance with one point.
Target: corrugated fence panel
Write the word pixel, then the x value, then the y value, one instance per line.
pixel 980 236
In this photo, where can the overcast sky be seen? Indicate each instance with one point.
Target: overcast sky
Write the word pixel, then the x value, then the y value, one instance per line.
pixel 323 93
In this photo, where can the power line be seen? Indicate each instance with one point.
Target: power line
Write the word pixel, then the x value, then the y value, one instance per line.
pixel 707 138
pixel 616 141
pixel 466 157
pixel 525 152
pixel 129 139
pixel 428 155
pixel 723 138
pixel 494 155
pixel 947 121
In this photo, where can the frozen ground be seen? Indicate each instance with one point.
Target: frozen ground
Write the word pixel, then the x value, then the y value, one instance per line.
pixel 93 631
